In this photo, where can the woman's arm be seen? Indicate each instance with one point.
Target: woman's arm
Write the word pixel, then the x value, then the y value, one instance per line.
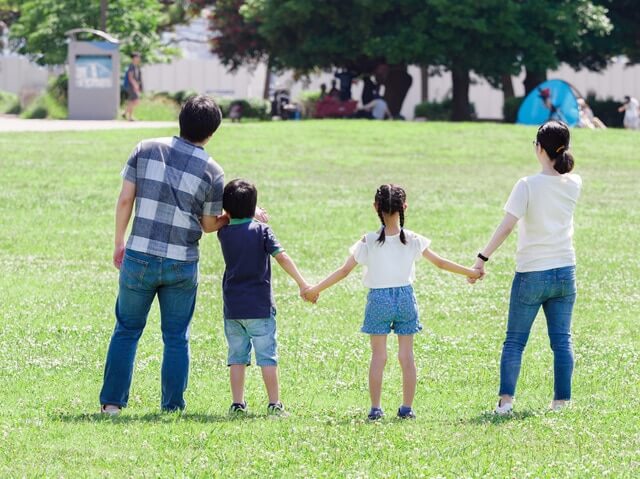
pixel 338 275
pixel 501 233
pixel 450 266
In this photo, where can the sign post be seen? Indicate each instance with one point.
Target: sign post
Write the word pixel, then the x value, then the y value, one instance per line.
pixel 94 76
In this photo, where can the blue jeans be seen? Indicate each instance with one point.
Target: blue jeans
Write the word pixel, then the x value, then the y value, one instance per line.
pixel 555 291
pixel 142 276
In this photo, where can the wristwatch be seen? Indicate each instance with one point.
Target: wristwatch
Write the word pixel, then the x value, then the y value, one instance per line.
pixel 483 257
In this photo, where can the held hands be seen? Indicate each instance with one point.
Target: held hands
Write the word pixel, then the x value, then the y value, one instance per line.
pixel 310 294
pixel 479 268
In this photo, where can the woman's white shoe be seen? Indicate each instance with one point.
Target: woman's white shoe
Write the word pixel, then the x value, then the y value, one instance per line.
pixel 504 409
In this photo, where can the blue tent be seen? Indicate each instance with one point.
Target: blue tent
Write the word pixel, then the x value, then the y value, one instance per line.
pixel 551 100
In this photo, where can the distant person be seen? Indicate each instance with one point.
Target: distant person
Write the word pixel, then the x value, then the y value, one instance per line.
pixel 378 109
pixel 235 112
pixel 334 92
pixel 346 79
pixel 631 109
pixel 370 90
pixel 554 111
pixel 132 86
pixel 177 191
pixel 249 308
pixel 587 118
pixel 323 91
pixel 388 256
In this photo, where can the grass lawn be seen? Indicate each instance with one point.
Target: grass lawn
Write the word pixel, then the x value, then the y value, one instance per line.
pixel 317 179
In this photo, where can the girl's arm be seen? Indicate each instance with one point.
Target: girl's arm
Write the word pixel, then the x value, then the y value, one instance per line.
pixel 501 233
pixel 342 272
pixel 450 266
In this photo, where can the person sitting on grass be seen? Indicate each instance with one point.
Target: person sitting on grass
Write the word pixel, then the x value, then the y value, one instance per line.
pixel 389 255
pixel 177 189
pixel 249 307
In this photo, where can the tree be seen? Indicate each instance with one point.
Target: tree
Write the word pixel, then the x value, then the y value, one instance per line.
pixel 625 36
pixel 40 29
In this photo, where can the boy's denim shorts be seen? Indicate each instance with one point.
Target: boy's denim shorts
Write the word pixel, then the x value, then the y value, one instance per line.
pixel 242 334
pixel 391 309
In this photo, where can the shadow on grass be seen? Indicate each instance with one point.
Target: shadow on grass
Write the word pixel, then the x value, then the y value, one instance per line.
pixel 160 418
pixel 490 417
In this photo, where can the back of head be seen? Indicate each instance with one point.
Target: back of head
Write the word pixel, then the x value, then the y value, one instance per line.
pixel 554 137
pixel 240 198
pixel 199 118
pixel 390 199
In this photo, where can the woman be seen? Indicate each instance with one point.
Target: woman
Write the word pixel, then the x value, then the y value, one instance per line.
pixel 543 206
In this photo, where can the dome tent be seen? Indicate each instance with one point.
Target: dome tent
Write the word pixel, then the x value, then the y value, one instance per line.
pixel 551 100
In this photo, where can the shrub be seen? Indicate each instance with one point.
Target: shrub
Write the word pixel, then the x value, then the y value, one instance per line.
pixel 45 106
pixel 606 110
pixel 510 109
pixel 251 108
pixel 309 101
pixel 9 103
pixel 439 110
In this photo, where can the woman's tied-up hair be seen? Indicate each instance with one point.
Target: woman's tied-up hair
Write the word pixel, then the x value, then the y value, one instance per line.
pixel 390 199
pixel 553 136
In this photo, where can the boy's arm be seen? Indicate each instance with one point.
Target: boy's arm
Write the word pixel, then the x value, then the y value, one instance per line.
pixel 335 277
pixel 450 266
pixel 213 223
pixel 124 207
pixel 290 267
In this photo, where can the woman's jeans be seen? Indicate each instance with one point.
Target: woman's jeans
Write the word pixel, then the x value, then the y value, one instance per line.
pixel 555 291
pixel 142 277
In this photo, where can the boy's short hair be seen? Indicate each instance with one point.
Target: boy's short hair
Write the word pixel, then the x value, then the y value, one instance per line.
pixel 136 55
pixel 240 198
pixel 199 118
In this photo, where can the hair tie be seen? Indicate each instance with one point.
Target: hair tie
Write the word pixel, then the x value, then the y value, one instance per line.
pixel 560 148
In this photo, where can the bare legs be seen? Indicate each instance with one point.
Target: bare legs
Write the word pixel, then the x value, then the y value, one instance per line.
pixel 269 376
pixel 378 362
pixel 128 112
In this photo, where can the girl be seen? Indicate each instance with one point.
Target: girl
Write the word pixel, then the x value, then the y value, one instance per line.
pixel 388 256
pixel 543 206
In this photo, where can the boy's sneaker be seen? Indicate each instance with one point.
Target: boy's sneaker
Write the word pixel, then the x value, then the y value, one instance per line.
pixel 405 412
pixel 238 409
pixel 503 409
pixel 110 409
pixel 375 413
pixel 276 409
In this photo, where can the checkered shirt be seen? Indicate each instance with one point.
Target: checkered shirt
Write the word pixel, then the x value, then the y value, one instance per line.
pixel 176 184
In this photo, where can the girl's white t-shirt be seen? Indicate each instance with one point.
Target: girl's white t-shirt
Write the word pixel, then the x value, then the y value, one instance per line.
pixel 544 206
pixel 390 264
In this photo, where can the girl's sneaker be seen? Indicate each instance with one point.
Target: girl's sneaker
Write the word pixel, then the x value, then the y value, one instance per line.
pixel 110 409
pixel 503 409
pixel 238 409
pixel 375 413
pixel 276 409
pixel 405 412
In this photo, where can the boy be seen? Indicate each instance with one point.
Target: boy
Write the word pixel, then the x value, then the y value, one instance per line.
pixel 177 189
pixel 249 308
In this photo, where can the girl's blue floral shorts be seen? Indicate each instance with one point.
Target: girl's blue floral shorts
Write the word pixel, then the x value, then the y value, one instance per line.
pixel 391 309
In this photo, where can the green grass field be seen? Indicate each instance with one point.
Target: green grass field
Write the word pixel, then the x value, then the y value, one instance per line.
pixel 317 179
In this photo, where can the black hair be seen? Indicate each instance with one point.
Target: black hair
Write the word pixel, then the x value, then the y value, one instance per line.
pixel 390 199
pixel 240 198
pixel 199 118
pixel 136 54
pixel 553 136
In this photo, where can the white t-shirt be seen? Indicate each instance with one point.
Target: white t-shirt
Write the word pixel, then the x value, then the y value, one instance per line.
pixel 544 205
pixel 379 109
pixel 391 264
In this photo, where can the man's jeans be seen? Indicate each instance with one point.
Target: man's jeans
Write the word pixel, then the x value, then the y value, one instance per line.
pixel 555 291
pixel 142 276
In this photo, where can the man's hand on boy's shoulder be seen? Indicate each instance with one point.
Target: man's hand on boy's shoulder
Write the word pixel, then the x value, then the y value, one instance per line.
pixel 261 215
pixel 118 255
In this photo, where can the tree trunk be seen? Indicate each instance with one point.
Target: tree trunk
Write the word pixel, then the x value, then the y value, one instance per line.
pixel 267 80
pixel 507 87
pixel 424 84
pixel 533 79
pixel 460 80
pixel 103 14
pixel 396 86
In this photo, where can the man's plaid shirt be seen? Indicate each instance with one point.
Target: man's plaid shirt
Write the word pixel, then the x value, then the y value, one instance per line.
pixel 176 184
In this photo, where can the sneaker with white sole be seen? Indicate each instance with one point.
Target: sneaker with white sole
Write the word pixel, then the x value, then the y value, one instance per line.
pixel 110 409
pixel 276 410
pixel 238 409
pixel 557 406
pixel 503 409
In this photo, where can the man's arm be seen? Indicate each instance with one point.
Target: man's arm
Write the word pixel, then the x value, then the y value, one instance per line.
pixel 124 207
pixel 213 223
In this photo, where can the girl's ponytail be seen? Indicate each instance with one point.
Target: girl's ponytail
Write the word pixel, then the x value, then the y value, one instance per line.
pixel 564 162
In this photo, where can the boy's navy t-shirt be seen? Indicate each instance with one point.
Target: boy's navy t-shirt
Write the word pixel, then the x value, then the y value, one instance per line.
pixel 247 246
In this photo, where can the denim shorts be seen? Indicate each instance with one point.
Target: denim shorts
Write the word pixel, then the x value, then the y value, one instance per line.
pixel 243 334
pixel 391 309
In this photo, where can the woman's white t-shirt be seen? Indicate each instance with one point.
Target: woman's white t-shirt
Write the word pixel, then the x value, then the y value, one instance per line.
pixel 544 206
pixel 390 264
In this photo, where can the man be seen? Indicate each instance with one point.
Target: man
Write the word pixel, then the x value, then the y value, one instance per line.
pixel 177 189
pixel 132 86
pixel 631 109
